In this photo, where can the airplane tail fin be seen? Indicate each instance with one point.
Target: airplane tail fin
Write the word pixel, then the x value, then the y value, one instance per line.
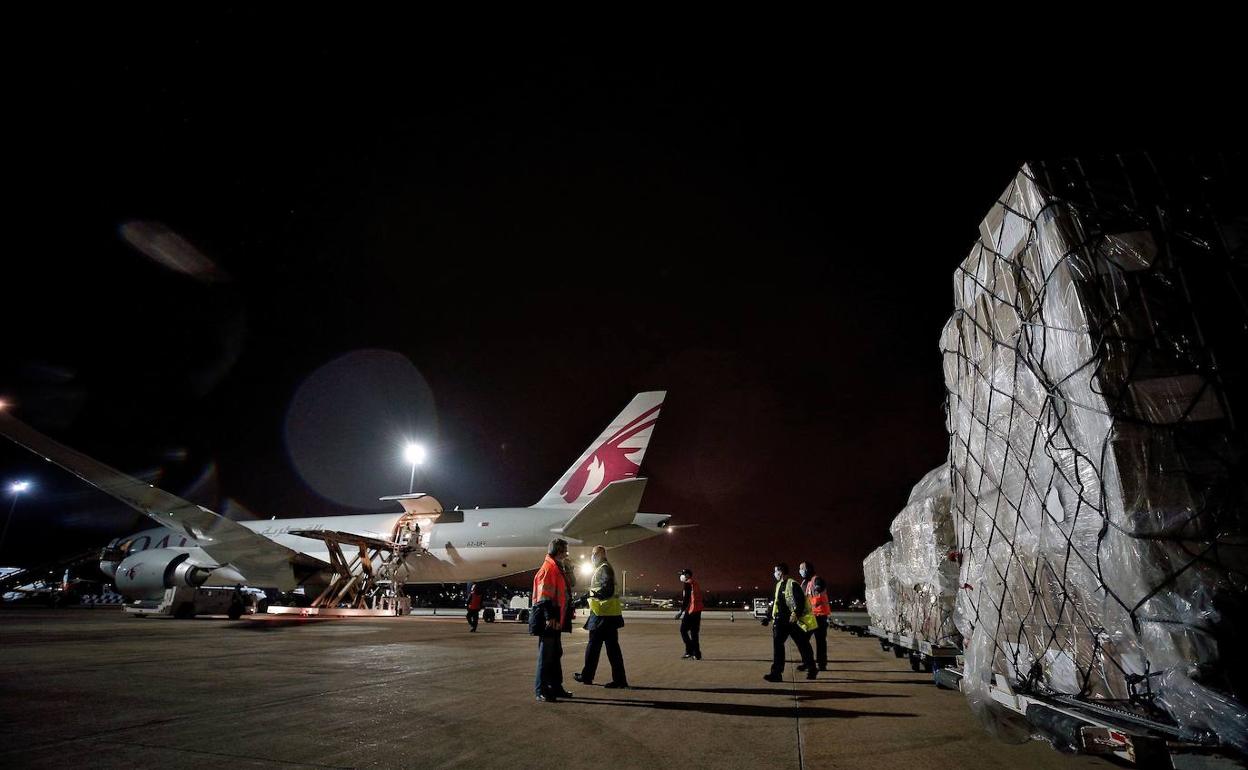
pixel 614 456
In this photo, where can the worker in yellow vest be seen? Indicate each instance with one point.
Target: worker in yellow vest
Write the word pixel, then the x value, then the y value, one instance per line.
pixel 817 597
pixel 790 618
pixel 606 616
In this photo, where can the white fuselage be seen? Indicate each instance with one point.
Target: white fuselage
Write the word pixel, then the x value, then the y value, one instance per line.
pixel 488 543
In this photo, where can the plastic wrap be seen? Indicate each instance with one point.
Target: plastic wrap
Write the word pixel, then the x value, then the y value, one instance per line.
pixel 927 580
pixel 881 588
pixel 1098 484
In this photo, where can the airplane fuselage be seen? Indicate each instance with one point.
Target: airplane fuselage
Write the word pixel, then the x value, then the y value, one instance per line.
pixel 488 543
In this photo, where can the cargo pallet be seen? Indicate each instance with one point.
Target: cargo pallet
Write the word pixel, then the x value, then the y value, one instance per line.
pixel 924 655
pixel 852 628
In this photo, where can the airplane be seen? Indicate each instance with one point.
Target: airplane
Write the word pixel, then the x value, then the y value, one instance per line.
pixel 596 501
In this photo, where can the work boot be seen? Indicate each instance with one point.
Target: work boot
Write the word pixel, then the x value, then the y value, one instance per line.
pixel 685 656
pixel 801 667
pixel 577 677
pixel 773 677
pixel 616 685
pixel 562 693
pixel 811 674
pixel 547 698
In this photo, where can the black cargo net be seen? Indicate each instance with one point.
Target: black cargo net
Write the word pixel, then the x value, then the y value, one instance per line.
pixel 1094 363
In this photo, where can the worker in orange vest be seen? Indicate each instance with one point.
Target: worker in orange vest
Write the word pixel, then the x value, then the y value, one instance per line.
pixel 475 599
pixel 817 595
pixel 551 611
pixel 691 615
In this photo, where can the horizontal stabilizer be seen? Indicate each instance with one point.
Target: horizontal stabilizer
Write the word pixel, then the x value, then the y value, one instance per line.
pixel 615 506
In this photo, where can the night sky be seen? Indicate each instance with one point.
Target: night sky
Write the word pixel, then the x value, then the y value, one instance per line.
pixel 493 248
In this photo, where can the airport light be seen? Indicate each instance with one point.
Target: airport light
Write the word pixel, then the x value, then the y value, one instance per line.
pixel 414 454
pixel 16 489
pixel 585 570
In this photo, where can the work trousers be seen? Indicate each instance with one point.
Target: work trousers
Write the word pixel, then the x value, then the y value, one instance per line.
pixel 690 625
pixel 472 619
pixel 821 641
pixel 598 638
pixel 549 679
pixel 781 631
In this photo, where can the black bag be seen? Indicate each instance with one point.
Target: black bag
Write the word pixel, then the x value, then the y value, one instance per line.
pixel 537 618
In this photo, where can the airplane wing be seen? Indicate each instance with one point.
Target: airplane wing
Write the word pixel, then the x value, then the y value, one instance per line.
pixel 615 506
pixel 261 560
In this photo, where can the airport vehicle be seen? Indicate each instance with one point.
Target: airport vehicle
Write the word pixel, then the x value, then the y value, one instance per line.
pixel 356 564
pixel 762 606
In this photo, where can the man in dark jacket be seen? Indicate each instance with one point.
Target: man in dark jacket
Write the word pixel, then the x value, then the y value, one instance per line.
pixel 788 616
pixel 552 605
pixel 606 617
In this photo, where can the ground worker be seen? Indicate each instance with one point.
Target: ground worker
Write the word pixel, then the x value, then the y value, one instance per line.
pixel 475 600
pixel 817 598
pixel 551 605
pixel 690 615
pixel 790 618
pixel 606 617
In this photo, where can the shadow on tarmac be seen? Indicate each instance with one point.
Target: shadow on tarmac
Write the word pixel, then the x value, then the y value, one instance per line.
pixel 803 695
pixel 739 709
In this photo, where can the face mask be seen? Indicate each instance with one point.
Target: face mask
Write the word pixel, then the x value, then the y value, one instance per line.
pixel 596 559
pixel 778 574
pixel 803 572
pixel 683 578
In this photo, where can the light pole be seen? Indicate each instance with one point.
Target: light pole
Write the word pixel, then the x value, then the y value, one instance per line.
pixel 624 591
pixel 15 489
pixel 414 454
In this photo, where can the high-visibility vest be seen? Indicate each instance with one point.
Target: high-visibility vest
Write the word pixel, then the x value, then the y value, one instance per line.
pixel 819 603
pixel 605 607
pixel 695 596
pixel 806 621
pixel 549 583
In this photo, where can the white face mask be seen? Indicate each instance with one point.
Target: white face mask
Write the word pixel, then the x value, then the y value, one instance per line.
pixel 778 574
pixel 683 578
pixel 803 573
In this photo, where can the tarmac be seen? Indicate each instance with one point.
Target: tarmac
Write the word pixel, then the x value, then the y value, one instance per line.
pixel 93 688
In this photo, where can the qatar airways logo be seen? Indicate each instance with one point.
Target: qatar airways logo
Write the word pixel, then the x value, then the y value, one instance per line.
pixel 610 461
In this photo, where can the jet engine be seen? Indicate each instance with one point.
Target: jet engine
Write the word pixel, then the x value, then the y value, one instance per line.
pixel 152 571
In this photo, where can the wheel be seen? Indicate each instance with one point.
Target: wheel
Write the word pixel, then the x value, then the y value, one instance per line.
pixel 488 615
pixel 898 652
pixel 914 663
pixel 523 617
pixel 235 612
pixel 884 645
pixel 185 610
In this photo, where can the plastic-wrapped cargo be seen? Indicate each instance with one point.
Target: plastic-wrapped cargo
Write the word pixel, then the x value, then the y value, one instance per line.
pixel 881 588
pixel 1094 363
pixel 927 581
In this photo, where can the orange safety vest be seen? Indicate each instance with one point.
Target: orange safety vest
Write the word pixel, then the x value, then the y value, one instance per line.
pixel 550 584
pixel 819 604
pixel 695 597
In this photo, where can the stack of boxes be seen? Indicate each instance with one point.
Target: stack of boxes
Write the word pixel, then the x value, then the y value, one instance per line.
pixel 1093 364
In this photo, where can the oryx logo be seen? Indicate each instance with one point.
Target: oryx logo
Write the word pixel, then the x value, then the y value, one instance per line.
pixel 610 461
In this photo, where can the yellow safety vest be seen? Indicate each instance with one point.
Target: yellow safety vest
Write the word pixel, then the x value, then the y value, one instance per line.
pixel 807 621
pixel 605 607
